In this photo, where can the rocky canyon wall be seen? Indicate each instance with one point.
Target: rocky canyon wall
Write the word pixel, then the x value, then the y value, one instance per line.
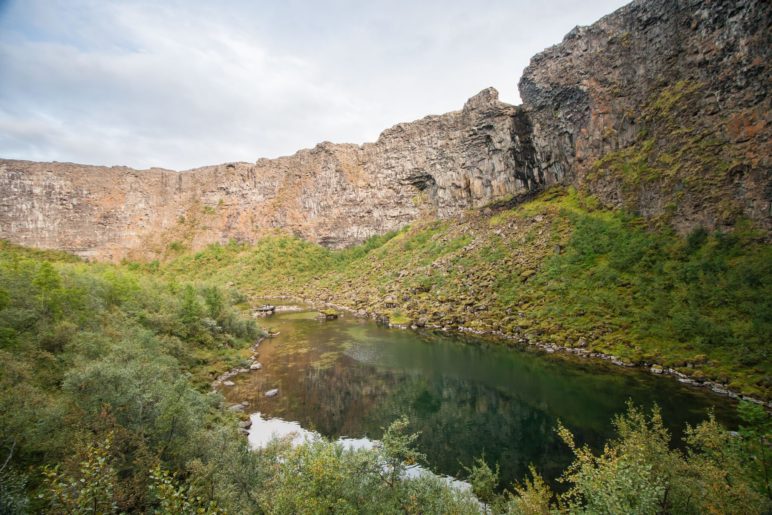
pixel 334 194
pixel 660 108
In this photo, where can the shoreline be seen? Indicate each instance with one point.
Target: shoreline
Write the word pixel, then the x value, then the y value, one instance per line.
pixel 233 372
pixel 654 368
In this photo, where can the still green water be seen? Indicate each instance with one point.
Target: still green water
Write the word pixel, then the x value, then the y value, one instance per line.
pixel 467 397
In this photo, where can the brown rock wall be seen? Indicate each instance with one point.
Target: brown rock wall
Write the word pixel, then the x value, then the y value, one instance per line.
pixel 661 108
pixel 334 194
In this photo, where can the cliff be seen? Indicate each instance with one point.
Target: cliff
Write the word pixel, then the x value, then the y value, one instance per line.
pixel 334 194
pixel 660 108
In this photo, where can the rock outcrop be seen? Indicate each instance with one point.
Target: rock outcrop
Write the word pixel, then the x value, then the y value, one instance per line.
pixel 660 108
pixel 334 194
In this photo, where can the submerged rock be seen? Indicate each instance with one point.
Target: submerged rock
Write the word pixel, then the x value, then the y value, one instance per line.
pixel 272 393
pixel 264 310
pixel 328 314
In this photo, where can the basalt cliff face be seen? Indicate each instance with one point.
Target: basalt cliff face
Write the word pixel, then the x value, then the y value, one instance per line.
pixel 660 108
pixel 335 194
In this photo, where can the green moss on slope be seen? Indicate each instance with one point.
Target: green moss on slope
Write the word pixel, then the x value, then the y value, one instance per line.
pixel 557 269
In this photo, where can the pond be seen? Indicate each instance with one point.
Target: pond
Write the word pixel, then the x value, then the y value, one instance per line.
pixel 349 378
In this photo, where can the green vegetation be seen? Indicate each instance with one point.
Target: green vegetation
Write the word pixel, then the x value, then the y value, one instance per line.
pixel 558 269
pixel 106 406
pixel 329 313
pixel 106 370
pixel 638 472
pixel 682 163
pixel 103 375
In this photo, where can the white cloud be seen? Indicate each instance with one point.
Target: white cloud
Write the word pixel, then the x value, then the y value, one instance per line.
pixel 185 84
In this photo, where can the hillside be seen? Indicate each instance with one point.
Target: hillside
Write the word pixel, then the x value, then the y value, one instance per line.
pixel 106 369
pixel 558 271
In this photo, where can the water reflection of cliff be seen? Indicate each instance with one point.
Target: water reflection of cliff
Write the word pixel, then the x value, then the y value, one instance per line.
pixel 458 419
pixel 351 378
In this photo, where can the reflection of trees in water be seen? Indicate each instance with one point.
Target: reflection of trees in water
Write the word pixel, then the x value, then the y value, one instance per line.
pixel 337 400
pixel 458 419
pixel 465 399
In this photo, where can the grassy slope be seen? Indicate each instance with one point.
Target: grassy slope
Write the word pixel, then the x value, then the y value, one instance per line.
pixel 556 269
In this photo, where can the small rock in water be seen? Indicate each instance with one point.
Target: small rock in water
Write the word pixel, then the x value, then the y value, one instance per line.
pixel 272 393
pixel 328 314
pixel 255 366
pixel 245 403
pixel 245 424
pixel 228 383
pixel 236 407
pixel 263 311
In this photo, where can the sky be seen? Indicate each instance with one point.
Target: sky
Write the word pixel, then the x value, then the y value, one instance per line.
pixel 187 83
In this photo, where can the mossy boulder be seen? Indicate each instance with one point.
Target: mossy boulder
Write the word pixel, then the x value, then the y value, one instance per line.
pixel 329 314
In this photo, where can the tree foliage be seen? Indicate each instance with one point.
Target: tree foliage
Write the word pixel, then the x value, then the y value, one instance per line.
pixel 639 472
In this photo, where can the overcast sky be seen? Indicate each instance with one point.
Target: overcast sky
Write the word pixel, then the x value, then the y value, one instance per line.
pixel 186 83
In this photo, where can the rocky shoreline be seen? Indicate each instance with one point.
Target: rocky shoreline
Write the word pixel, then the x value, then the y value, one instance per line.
pixel 654 368
pixel 224 379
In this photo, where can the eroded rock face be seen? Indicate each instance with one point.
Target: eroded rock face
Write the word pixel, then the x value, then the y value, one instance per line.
pixel 660 108
pixel 334 194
